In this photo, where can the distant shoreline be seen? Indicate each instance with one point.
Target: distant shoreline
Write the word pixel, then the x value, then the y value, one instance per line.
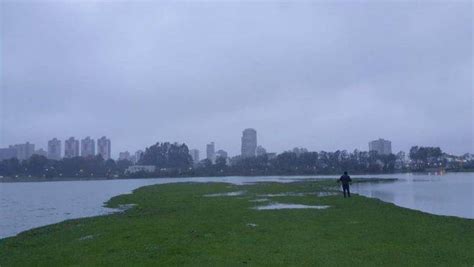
pixel 66 179
pixel 34 180
pixel 59 179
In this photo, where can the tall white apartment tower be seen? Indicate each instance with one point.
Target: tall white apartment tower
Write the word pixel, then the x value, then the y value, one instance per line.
pixel 249 143
pixel 211 152
pixel 24 151
pixel 104 147
pixel 54 149
pixel 71 148
pixel 194 155
pixel 87 147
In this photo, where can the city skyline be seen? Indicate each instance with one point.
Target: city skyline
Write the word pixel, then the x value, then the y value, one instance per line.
pixel 102 146
pixel 287 75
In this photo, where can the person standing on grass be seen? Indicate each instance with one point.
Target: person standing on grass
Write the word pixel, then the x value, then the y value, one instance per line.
pixel 345 180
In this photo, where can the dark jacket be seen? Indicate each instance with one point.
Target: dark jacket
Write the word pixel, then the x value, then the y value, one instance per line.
pixel 345 179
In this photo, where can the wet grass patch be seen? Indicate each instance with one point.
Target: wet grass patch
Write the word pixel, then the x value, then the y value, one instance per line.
pixel 175 224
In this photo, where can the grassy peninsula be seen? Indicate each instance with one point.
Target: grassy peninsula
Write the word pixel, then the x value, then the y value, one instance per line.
pixel 188 224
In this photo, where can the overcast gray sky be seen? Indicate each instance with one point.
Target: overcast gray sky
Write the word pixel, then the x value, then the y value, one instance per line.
pixel 317 74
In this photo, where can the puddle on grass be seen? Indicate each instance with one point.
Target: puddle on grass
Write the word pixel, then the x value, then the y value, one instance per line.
pixel 279 206
pixel 292 194
pixel 228 194
pixel 124 207
pixel 259 200
pixel 87 237
pixel 286 194
pixel 300 194
pixel 327 194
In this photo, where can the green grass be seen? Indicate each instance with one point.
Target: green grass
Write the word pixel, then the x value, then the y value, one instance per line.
pixel 175 224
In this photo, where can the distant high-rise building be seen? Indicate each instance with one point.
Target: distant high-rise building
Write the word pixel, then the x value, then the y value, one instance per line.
pixel 104 147
pixel 124 155
pixel 260 151
pixel 54 149
pixel 24 151
pixel 71 148
pixel 87 147
pixel 138 155
pixel 41 152
pixel 221 154
pixel 211 152
pixel 249 143
pixel 7 153
pixel 381 146
pixel 401 156
pixel 194 155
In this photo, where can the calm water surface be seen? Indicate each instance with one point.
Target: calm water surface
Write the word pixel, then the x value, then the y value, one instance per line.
pixel 25 206
pixel 450 194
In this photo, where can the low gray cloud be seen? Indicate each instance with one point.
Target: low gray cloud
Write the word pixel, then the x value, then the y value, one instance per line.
pixel 323 75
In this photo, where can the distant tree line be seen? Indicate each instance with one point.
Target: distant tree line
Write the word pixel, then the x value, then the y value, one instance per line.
pixel 426 157
pixel 77 167
pixel 290 163
pixel 173 160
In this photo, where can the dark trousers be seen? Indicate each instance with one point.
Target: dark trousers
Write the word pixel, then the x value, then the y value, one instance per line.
pixel 345 188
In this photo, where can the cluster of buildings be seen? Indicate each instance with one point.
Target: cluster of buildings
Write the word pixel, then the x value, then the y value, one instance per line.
pixel 211 153
pixel 72 148
pixel 249 148
pixel 87 147
pixel 134 158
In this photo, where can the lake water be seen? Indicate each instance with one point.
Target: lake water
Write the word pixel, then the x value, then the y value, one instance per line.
pixel 450 194
pixel 25 206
